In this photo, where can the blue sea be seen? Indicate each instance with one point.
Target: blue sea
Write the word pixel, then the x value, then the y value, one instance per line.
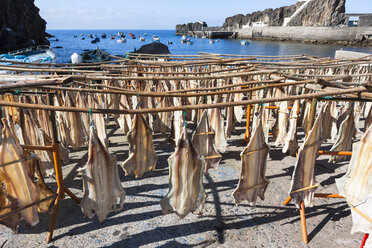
pixel 70 44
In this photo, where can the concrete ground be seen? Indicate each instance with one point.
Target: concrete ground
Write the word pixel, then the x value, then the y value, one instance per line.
pixel 223 224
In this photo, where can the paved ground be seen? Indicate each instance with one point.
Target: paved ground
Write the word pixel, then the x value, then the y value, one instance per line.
pixel 223 224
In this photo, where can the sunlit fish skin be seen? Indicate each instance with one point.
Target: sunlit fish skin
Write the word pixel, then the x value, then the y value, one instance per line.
pixel 21 180
pixel 102 190
pixel 356 184
pixel 345 135
pixel 203 141
pixel 142 156
pixel 282 123
pixel 303 174
pixel 252 181
pixel 186 191
pixel 290 140
pixel 74 124
pixel 217 124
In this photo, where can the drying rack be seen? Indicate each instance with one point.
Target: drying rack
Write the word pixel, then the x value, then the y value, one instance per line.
pixel 53 84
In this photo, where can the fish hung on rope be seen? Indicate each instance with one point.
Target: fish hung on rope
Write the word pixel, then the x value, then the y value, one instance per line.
pixel 252 181
pixel 162 122
pixel 186 191
pixel 102 190
pixel 290 140
pixel 345 135
pixel 82 102
pixel 74 124
pixel 177 122
pixel 33 135
pixel 356 184
pixel 217 124
pixel 230 119
pixel 142 156
pixel 21 181
pixel 303 182
pixel 124 120
pixel 203 141
pixel 334 114
pixel 282 127
pixel 99 122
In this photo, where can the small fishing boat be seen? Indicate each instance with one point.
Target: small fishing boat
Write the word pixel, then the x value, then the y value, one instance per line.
pixel 133 37
pixel 82 38
pixel 120 33
pixel 211 41
pixel 244 42
pixel 113 37
pixel 95 40
pixel 122 40
pixel 155 38
pixel 36 54
pixel 142 39
pixel 104 36
pixel 75 36
pixel 189 42
pixel 90 36
pixel 170 42
pixel 183 41
pixel 144 34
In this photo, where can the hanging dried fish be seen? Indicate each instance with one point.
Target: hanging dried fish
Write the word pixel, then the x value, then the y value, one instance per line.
pixel 82 102
pixel 217 124
pixel 74 124
pixel 334 114
pixel 253 182
pixel 282 123
pixel 21 178
pixel 356 184
pixel 303 175
pixel 8 204
pixel 230 122
pixel 345 135
pixel 186 191
pixel 102 192
pixel 162 123
pixel 238 110
pixel 124 120
pixel 203 141
pixel 142 156
pixel 33 135
pixel 290 140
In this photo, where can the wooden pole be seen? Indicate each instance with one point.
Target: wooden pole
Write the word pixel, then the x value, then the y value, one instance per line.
pixel 303 223
pixel 246 135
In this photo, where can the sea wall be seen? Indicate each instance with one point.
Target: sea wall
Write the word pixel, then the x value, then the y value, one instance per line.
pixel 307 33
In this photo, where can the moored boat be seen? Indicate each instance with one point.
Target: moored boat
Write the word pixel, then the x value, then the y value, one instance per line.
pixel 122 40
pixel 244 42
pixel 211 41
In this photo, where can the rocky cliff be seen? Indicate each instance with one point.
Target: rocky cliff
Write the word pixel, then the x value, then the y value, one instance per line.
pixel 20 25
pixel 274 17
pixel 324 13
pixel 185 28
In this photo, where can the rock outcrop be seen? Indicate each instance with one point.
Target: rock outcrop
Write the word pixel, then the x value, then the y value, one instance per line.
pixel 20 25
pixel 185 28
pixel 154 48
pixel 323 13
pixel 273 17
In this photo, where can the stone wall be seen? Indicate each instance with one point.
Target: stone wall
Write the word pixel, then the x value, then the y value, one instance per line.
pixel 20 25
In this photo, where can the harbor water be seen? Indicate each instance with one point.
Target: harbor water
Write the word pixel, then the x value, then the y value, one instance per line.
pixel 71 41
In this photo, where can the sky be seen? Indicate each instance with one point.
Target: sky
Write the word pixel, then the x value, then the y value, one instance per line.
pixel 156 14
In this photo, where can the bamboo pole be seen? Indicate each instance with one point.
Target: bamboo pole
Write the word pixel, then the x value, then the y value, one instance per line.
pixel 303 223
pixel 184 107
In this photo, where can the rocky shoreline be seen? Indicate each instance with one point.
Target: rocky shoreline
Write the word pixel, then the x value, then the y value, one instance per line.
pixel 21 25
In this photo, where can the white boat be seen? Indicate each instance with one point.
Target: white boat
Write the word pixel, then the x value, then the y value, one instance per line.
pixel 122 40
pixel 155 38
pixel 211 41
pixel 36 54
pixel 244 42
pixel 142 39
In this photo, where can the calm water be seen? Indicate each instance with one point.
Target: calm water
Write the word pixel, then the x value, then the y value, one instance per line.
pixel 70 44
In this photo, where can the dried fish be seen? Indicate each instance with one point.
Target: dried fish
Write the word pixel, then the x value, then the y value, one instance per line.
pixel 8 204
pixel 186 191
pixel 142 156
pixel 217 124
pixel 82 102
pixel 74 124
pixel 102 192
pixel 334 114
pixel 253 182
pixel 303 174
pixel 345 135
pixel 290 140
pixel 282 123
pixel 22 177
pixel 356 184
pixel 203 141
pixel 124 120
pixel 162 123
pixel 33 135
pixel 238 110
pixel 230 122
